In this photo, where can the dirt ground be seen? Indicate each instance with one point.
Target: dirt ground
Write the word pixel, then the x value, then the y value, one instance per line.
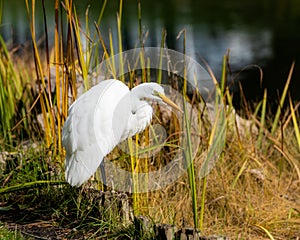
pixel 37 226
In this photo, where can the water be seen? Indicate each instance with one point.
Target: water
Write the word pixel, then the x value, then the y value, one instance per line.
pixel 261 32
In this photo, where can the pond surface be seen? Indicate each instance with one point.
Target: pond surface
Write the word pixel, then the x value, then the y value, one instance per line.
pixel 262 32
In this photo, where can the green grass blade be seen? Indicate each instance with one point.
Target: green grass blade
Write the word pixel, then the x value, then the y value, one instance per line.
pixel 266 231
pixel 29 185
pixel 262 120
pixel 132 154
pixel 101 13
pixel 242 169
pixel 295 123
pixel 159 74
pixel 282 99
pixel 83 65
pixel 190 164
pixel 119 22
pixel 140 24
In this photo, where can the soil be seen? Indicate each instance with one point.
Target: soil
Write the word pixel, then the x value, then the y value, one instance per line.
pixel 37 226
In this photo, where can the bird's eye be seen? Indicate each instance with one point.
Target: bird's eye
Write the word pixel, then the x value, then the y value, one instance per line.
pixel 155 93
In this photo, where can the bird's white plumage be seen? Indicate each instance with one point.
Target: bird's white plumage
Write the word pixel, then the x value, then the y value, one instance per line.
pixel 101 118
pixel 87 130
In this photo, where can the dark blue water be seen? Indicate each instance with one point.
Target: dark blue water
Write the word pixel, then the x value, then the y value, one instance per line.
pixel 261 32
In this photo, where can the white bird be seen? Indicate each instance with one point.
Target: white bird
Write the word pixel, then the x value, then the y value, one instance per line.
pixel 100 119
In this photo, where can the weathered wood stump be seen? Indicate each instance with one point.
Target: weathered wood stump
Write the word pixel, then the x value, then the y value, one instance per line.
pixel 142 225
pixel 120 203
pixel 117 202
pixel 187 234
pixel 165 231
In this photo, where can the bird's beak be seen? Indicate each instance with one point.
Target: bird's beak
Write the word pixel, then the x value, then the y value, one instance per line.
pixel 168 101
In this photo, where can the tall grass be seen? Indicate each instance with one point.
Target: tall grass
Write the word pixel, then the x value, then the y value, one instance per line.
pixel 10 91
pixel 188 145
pixel 282 100
pixel 15 99
pixel 251 191
pixel 6 234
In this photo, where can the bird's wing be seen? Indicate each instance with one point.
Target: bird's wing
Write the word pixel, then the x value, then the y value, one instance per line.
pixel 138 121
pixel 88 133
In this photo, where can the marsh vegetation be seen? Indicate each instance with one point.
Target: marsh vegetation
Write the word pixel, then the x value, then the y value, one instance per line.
pixel 251 193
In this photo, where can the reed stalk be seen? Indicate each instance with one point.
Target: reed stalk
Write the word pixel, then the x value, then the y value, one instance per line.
pixel 49 122
pixel 262 120
pixel 295 122
pixel 282 100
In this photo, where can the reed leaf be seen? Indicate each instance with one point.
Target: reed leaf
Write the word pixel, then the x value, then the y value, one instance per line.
pixel 133 159
pixel 266 231
pixel 295 123
pixel 262 120
pixel 29 185
pixel 49 122
pixel 61 111
pixel 282 99
pixel 140 30
pixel 10 92
pixel 188 154
pixel 84 67
pixel 119 28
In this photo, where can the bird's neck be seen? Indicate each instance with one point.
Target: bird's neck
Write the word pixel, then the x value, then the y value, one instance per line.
pixel 138 119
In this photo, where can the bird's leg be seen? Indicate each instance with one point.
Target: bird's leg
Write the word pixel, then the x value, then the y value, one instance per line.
pixel 103 175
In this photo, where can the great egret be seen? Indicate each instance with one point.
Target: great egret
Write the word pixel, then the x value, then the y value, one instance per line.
pixel 101 118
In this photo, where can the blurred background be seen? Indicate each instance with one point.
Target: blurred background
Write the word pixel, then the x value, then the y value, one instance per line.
pixel 261 32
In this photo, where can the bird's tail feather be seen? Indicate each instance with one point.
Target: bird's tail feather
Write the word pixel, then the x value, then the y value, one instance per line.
pixel 82 164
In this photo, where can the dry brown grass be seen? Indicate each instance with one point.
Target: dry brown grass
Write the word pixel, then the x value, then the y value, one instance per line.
pixel 249 190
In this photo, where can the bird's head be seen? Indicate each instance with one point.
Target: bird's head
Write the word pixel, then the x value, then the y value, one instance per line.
pixel 153 91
